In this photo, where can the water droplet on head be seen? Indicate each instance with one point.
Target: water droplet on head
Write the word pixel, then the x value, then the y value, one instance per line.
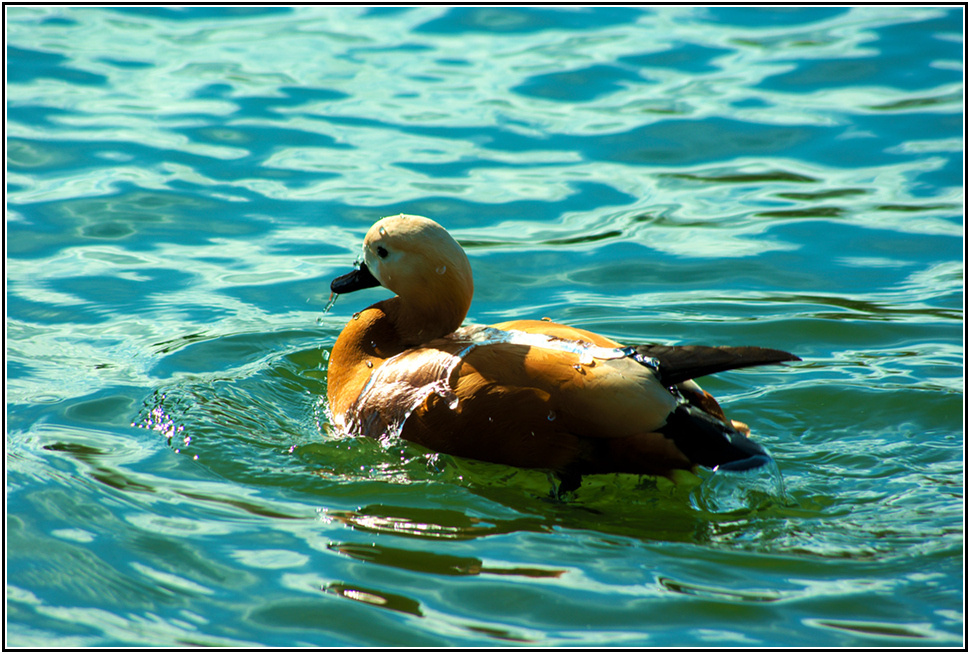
pixel 579 369
pixel 551 416
pixel 382 231
pixel 441 270
pixel 370 364
pixel 357 316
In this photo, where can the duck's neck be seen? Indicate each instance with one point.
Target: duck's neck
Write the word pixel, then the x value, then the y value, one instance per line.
pixel 379 332
pixel 417 323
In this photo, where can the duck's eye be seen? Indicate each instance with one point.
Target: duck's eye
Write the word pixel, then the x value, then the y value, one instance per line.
pixel 381 252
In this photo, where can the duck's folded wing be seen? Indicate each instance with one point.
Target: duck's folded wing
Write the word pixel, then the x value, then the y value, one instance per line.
pixel 709 442
pixel 678 363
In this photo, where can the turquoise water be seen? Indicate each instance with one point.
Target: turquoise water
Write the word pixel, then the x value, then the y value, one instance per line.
pixel 182 184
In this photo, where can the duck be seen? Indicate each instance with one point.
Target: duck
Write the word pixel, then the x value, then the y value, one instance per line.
pixel 526 393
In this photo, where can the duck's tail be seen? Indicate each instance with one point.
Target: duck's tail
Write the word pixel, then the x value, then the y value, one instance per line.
pixel 678 363
pixel 697 427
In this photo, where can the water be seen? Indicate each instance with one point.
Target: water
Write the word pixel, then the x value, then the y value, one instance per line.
pixel 182 184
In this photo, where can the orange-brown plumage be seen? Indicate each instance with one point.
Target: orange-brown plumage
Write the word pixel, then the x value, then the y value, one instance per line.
pixel 527 393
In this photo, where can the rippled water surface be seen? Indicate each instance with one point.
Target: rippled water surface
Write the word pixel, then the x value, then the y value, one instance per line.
pixel 182 184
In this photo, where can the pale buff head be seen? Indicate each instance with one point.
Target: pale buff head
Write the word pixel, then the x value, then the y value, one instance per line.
pixel 418 260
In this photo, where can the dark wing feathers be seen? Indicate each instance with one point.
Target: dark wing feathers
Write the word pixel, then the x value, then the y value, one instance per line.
pixel 707 441
pixel 678 363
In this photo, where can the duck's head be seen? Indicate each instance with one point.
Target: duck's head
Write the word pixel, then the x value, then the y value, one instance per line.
pixel 419 261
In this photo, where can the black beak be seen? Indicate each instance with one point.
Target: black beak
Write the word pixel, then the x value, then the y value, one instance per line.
pixel 355 280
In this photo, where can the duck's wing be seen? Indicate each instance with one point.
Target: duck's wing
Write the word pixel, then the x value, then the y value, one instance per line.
pixel 678 363
pixel 705 440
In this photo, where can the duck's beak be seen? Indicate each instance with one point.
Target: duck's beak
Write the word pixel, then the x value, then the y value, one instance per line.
pixel 355 280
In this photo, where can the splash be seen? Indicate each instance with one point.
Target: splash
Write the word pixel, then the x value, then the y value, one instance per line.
pixel 332 300
pixel 156 418
pixel 727 491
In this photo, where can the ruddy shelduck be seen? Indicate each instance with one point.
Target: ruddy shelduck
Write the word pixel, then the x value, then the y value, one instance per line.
pixel 527 393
